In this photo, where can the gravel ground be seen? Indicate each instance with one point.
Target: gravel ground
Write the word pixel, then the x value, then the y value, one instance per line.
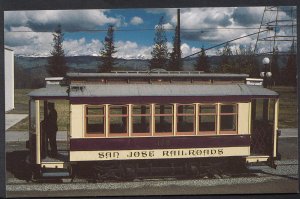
pixel 287 169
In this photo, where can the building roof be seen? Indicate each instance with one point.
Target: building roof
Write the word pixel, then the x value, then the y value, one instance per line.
pixel 50 91
pixel 134 74
pixel 152 93
pixel 143 90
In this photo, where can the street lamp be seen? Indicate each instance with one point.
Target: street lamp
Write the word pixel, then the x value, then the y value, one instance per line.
pixel 266 74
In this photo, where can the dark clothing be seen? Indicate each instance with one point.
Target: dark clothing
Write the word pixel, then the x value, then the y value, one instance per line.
pixel 52 142
pixel 52 130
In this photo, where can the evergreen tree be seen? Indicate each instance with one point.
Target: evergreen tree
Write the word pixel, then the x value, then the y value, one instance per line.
pixel 290 71
pixel 274 66
pixel 106 53
pixel 57 65
pixel 202 63
pixel 246 62
pixel 160 51
pixel 226 65
pixel 175 63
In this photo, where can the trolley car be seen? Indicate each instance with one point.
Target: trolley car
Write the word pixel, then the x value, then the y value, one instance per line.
pixel 139 116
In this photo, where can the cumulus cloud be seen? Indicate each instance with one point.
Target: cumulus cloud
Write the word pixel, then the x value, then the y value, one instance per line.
pixel 47 20
pixel 131 50
pixel 136 20
pixel 247 16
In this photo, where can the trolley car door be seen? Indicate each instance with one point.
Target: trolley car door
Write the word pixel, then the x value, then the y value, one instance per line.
pixel 264 126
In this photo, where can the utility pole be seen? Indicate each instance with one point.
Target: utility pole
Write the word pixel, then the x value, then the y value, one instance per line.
pixel 178 42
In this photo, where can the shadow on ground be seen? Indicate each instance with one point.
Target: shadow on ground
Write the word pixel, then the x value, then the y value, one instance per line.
pixel 16 165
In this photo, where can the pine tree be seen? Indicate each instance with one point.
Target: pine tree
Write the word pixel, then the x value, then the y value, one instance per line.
pixel 202 63
pixel 274 66
pixel 246 62
pixel 226 65
pixel 290 70
pixel 106 53
pixel 175 63
pixel 160 51
pixel 57 65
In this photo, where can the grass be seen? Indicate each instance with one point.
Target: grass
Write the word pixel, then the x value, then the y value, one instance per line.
pixel 287 109
pixel 288 106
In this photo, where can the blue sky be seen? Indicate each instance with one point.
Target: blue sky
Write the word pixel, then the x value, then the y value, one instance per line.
pixel 29 32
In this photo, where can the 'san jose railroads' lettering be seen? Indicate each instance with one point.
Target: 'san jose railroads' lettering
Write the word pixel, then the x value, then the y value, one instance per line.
pixel 164 153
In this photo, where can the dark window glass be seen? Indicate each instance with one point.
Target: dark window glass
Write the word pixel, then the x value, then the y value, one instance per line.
pixel 118 125
pixel 95 125
pixel 207 123
pixel 207 118
pixel 185 109
pixel 228 118
pixel 163 118
pixel 163 109
pixel 228 123
pixel 141 124
pixel 140 109
pixel 118 119
pixel 207 109
pixel 163 124
pixel 94 120
pixel 228 108
pixel 185 123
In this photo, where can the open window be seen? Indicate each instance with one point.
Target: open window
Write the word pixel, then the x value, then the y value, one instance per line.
pixel 163 114
pixel 118 120
pixel 228 119
pixel 207 119
pixel 185 119
pixel 141 119
pixel 94 121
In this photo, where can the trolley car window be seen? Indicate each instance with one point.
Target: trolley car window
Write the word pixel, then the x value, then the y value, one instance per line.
pixel 228 118
pixel 141 117
pixel 163 118
pixel 94 120
pixel 185 118
pixel 207 118
pixel 118 119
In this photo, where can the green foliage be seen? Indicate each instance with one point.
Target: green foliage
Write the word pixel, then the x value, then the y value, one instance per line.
pixel 56 62
pixel 106 54
pixel 202 63
pixel 275 67
pixel 175 62
pixel 290 70
pixel 246 61
pixel 160 51
pixel 227 64
pixel 242 61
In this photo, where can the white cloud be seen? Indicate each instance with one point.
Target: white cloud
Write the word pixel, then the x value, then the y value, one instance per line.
pixel 49 19
pixel 136 20
pixel 131 50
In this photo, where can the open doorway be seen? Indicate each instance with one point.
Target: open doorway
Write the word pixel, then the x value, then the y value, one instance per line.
pixel 263 121
pixel 54 118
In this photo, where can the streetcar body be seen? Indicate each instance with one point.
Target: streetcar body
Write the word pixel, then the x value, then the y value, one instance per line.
pixel 133 116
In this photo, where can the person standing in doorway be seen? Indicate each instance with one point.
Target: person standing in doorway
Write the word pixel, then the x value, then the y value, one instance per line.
pixel 52 129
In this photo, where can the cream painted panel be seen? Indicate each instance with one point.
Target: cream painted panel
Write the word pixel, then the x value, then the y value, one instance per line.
pixel 77 121
pixel 158 153
pixel 243 118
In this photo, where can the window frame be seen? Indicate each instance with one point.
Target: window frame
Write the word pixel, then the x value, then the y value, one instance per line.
pixel 140 114
pixel 97 134
pixel 184 114
pixel 109 115
pixel 215 132
pixel 164 114
pixel 236 119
